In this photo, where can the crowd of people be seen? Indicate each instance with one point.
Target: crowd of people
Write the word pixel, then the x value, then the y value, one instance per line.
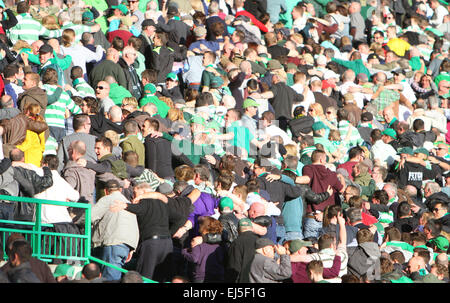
pixel 267 141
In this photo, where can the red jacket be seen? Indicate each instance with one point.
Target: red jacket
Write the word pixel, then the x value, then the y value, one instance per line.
pixel 255 21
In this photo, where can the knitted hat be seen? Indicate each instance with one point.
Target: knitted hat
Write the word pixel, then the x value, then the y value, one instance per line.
pixel 150 88
pixel 225 202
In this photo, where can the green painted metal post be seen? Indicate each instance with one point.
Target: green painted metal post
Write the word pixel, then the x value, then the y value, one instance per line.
pixel 38 229
pixel 87 228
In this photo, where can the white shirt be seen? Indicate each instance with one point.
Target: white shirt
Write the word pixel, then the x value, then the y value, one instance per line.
pixel 59 191
pixel 308 99
pixel 359 97
pixel 273 130
pixel 384 152
pixel 82 55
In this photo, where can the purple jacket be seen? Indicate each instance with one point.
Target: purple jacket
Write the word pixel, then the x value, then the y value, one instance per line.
pixel 204 206
pixel 208 260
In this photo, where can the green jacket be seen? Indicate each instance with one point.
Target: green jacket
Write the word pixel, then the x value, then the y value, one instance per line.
pixel 163 108
pixel 356 65
pixel 367 184
pixel 117 93
pixel 132 143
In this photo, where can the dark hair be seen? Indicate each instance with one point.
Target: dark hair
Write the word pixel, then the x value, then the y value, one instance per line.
pixel 135 42
pixel 131 158
pixel 381 196
pixel 218 29
pixel 150 75
pixel 393 233
pixel 23 250
pixel 418 124
pixel 106 142
pixel 353 214
pixel 79 121
pixel 364 235
pixel 22 7
pixel 52 161
pixel 403 209
pixel 325 241
pixel 434 227
pixel 225 179
pixel 202 171
pixel 423 253
pixel 204 99
pixel 92 104
pixel 91 271
pixel 397 256
pixel 76 72
pixel 10 70
pixel 50 76
pixel 130 127
pixel 375 135
pixel 349 278
pixel 132 277
pixel 118 43
pixel 354 152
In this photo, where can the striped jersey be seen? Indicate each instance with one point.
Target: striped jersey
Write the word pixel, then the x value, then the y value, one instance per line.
pixel 327 256
pixel 55 113
pixel 29 30
pixel 79 29
pixel 83 88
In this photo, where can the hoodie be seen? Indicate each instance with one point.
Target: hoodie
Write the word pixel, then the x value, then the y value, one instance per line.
pixel 33 95
pixel 359 261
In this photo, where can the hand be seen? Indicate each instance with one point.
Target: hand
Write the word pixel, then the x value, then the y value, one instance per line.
pixel 366 205
pixel 196 241
pixel 24 57
pixel 414 208
pixel 82 162
pixel 330 190
pixel 130 255
pixel 156 134
pixel 126 183
pixel 373 229
pixel 211 159
pixel 340 219
pixel 117 206
pixel 180 232
pixel 272 177
pixel 318 216
pixel 177 137
pixel 279 249
pixel 67 87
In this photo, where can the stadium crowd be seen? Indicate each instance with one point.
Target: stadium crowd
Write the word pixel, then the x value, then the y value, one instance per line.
pixel 262 141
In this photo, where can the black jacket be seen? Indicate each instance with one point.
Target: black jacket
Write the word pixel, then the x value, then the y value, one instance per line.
pixel 22 274
pixel 99 125
pixel 240 257
pixel 133 83
pixel 158 156
pixel 160 59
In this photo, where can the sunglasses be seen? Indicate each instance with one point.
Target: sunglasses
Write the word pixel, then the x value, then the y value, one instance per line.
pixel 329 113
pixel 100 87
pixel 436 209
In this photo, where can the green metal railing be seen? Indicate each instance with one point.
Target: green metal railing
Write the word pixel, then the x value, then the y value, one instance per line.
pixel 74 247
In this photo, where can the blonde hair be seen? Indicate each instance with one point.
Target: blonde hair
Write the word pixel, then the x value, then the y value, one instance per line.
pixel 197 6
pixel 50 22
pixel 113 136
pixel 67 37
pixel 291 150
pixel 20 44
pixel 132 101
pixel 175 114
pixel 33 110
pixel 318 109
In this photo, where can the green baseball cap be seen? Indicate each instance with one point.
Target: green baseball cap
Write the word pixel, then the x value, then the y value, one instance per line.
pixel 318 125
pixel 87 16
pixel 150 88
pixel 249 102
pixel 422 150
pixel 172 76
pixel 225 202
pixel 440 242
pixel 406 150
pixel 64 270
pixel 245 222
pixel 295 245
pixel 389 132
pixel 121 7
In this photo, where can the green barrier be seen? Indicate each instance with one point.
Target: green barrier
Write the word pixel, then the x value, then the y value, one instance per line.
pixel 73 247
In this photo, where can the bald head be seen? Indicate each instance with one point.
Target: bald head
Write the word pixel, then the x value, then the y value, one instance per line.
pixel 115 114
pixel 36 45
pixel 415 264
pixel 256 209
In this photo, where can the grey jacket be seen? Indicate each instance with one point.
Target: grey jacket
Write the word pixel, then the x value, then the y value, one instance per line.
pixel 82 179
pixel 63 154
pixel 266 270
pixel 113 228
pixel 363 258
